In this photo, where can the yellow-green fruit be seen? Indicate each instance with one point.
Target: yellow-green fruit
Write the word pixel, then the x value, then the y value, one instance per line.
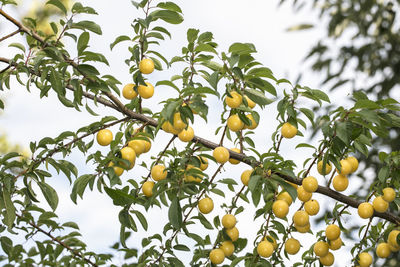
pixel 228 221
pixel 178 124
pixel 191 178
pixel 234 123
pixel 221 154
pixel 118 170
pixel 353 162
pixel 245 177
pixel 147 145
pixel 253 122
pixel 383 250
pixel 327 260
pixel 234 161
pixel 280 208
pixel 310 184
pixel 129 92
pixel 158 172
pixel 228 248
pixel 272 240
pixel 104 137
pixel 340 182
pixel 203 163
pixel 250 102
pixel 233 233
pixel 146 66
pixel 206 205
pixel 328 168
pixel 345 167
pixel 265 249
pixel 234 101
pixel 292 246
pixel 321 248
pixel 364 259
pixel 138 145
pixel 392 238
pixel 288 130
pixel 303 229
pixel 129 154
pixel 217 256
pixel 332 232
pixel 186 135
pixel 365 210
pixel 389 194
pixel 301 218
pixel 380 205
pixel 335 244
pixel 303 195
pixel 146 91
pixel 311 207
pixel 285 196
pixel 147 188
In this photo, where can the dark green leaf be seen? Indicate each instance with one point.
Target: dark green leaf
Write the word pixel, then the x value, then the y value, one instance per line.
pixel 87 25
pixel 58 4
pixel 258 97
pixel 119 197
pixel 175 213
pixel 118 40
pixel 167 16
pixel 49 194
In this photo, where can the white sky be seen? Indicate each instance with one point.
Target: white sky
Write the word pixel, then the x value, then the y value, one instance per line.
pixel 28 118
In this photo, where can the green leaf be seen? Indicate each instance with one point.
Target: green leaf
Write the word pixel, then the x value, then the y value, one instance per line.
pixel 170 6
pixel 79 186
pixel 78 8
pixel 119 39
pixel 175 213
pixel 181 247
pixel 6 245
pixel 257 97
pixel 366 103
pixel 167 16
pixel 119 197
pixel 141 218
pixel 55 81
pixel 88 70
pixel 343 132
pixel 17 45
pixel 300 27
pixel 1 104
pixel 49 194
pixel 58 4
pixel 253 182
pixel 170 109
pixel 383 174
pixel 87 25
pixel 9 215
pixel 83 42
pixel 192 35
pixel 320 95
pixel 242 48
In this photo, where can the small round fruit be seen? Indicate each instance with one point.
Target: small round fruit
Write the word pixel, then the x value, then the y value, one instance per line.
pixel 345 167
pixel 228 248
pixel 104 137
pixel 234 101
pixel 379 204
pixel 228 221
pixel 383 250
pixel 129 92
pixel 146 66
pixel 158 172
pixel 147 145
pixel 146 91
pixel 327 260
pixel 340 182
pixel 272 240
pixel 292 246
pixel 234 161
pixel 303 195
pixel 288 130
pixel 206 205
pixel 118 170
pixel 285 196
pixel 389 194
pixel 332 232
pixel 365 210
pixel 310 184
pixel 147 188
pixel 138 145
pixel 353 162
pixel 302 229
pixel 221 154
pixel 233 233
pixel 234 123
pixel 280 208
pixel 311 207
pixel 129 154
pixel 265 249
pixel 250 102
pixel 364 259
pixel 245 177
pixel 217 256
pixel 321 248
pixel 328 168
pixel 301 218
pixel 190 177
pixel 392 238
pixel 186 135
pixel 253 122
pixel 178 124
pixel 335 244
pixel 203 163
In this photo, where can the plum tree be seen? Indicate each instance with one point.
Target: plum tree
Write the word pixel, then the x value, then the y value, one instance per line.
pixel 178 179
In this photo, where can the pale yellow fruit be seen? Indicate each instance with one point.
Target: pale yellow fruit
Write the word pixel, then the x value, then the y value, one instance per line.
pixel 228 248
pixel 311 207
pixel 332 232
pixel 253 122
pixel 280 208
pixel 379 204
pixel 353 162
pixel 292 246
pixel 104 137
pixel 327 260
pixel 303 229
pixel 321 248
pixel 206 205
pixel 129 92
pixel 234 101
pixel 365 259
pixel 303 195
pixel 158 172
pixel 288 130
pixel 234 161
pixel 250 102
pixel 146 91
pixel 138 145
pixel 217 256
pixel 186 135
pixel 345 167
pixel 285 196
pixel 234 123
pixel 340 182
pixel 147 188
pixel 146 66
pixel 335 244
pixel 310 184
pixel 245 177
pixel 328 168
pixel 365 210
pixel 228 221
pixel 301 218
pixel 221 154
pixel 233 233
pixel 383 250
pixel 389 194
pixel 265 249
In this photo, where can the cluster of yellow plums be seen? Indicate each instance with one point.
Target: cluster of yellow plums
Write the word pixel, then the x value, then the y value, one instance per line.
pixel 234 122
pixel 146 66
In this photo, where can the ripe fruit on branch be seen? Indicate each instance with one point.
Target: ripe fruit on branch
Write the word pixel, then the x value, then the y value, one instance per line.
pixel 303 195
pixel 146 91
pixel 272 240
pixel 392 239
pixel 383 250
pixel 138 145
pixel 285 196
pixel 235 100
pixel 379 204
pixel 321 248
pixel 118 170
pixel 353 162
pixel 311 207
pixel 253 122
pixel 234 123
pixel 178 124
pixel 221 154
pixel 364 259
pixel 147 188
pixel 104 137
pixel 228 221
pixel 301 218
pixel 265 249
pixel 203 163
pixel 292 246
pixel 328 168
pixel 389 194
pixel 146 66
pixel 310 184
pixel 335 244
pixel 167 127
pixel 217 256
pixel 158 172
pixel 129 154
pixel 332 232
pixel 365 210
pixel 191 177
pixel 233 233
pixel 186 135
pixel 250 102
pixel 228 248
pixel 245 177
pixel 288 130
pixel 206 205
pixel 280 208
pixel 327 260
pixel 340 182
pixel 302 229
pixel 129 92
pixel 345 167
pixel 234 161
